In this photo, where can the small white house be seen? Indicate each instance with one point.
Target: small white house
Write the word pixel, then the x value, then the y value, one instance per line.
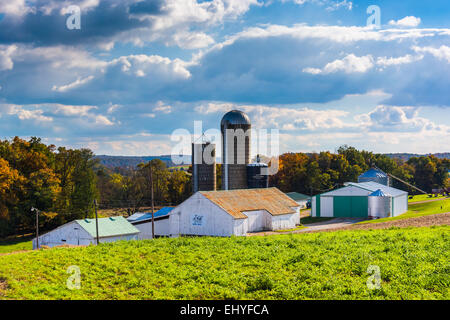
pixel 83 232
pixel 234 212
pixel 143 223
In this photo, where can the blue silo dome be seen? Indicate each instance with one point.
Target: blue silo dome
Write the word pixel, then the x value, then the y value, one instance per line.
pixel 373 173
pixel 378 193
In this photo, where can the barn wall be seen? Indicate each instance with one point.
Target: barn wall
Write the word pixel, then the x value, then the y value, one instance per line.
pixel 285 221
pixel 258 220
pixel 326 206
pixel 118 238
pixel 162 228
pixel 199 216
pixel 66 232
pixel 314 212
pixel 400 204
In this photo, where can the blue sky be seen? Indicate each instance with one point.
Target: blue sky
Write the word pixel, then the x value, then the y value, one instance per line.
pixel 139 69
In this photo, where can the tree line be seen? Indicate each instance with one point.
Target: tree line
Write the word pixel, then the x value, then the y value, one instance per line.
pixel 319 172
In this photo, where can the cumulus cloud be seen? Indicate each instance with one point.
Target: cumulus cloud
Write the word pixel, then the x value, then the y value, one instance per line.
pixel 409 21
pixel 349 64
pixel 6 62
pixel 78 83
pixel 442 52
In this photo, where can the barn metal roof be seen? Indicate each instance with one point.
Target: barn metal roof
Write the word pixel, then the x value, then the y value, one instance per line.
pixel 373 186
pixel 108 227
pixel 160 213
pixel 235 202
pixel 298 196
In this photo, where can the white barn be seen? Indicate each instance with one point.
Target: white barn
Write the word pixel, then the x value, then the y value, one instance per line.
pixel 234 212
pixel 83 232
pixel 362 200
pixel 143 223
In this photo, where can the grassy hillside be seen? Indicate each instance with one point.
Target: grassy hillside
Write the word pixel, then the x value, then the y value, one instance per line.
pixel 16 244
pixel 414 264
pixel 418 210
pixel 424 197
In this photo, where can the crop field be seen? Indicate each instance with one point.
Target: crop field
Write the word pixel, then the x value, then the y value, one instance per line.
pixel 414 263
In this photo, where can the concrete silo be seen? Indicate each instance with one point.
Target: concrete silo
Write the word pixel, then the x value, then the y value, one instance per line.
pixel 203 167
pixel 236 138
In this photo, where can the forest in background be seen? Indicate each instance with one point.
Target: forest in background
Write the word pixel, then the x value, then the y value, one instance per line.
pixel 63 183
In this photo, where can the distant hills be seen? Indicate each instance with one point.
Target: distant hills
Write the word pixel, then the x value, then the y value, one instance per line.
pixel 130 162
pixel 407 156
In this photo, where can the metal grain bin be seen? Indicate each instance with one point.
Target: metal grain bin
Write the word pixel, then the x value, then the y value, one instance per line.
pixel 379 204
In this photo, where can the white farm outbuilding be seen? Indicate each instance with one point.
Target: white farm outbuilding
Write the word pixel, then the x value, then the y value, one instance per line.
pixel 143 222
pixel 83 232
pixel 361 200
pixel 234 212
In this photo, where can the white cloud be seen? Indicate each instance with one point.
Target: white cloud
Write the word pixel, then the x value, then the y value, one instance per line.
pixel 6 62
pixel 409 21
pixel 385 61
pixel 25 114
pixel 78 83
pixel 162 108
pixel 14 7
pixel 442 53
pixel 349 64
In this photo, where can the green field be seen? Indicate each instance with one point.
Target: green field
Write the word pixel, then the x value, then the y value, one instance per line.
pixel 424 197
pixel 15 244
pixel 414 264
pixel 418 210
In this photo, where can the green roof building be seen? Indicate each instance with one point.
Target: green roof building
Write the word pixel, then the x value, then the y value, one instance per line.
pixel 84 232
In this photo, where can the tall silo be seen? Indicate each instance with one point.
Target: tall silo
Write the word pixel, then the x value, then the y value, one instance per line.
pixel 236 137
pixel 257 175
pixel 203 167
pixel 374 175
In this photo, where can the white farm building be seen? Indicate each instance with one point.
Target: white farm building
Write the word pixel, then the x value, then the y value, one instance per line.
pixel 362 200
pixel 83 232
pixel 234 212
pixel 143 222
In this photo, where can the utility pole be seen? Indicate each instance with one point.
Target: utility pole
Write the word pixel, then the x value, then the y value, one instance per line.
pixel 153 208
pixel 96 220
pixel 37 226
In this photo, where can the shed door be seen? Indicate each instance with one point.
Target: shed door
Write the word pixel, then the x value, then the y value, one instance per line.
pixel 350 207
pixel 255 221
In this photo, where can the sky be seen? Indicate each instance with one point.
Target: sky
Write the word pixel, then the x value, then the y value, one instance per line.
pixel 136 71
